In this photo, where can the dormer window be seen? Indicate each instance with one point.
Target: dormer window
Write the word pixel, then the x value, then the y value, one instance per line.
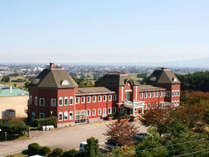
pixel 65 83
pixel 174 79
pixel 153 79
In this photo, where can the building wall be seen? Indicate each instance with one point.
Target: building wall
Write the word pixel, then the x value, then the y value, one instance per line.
pixel 17 103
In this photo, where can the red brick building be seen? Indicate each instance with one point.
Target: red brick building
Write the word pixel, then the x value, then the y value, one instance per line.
pixel 54 92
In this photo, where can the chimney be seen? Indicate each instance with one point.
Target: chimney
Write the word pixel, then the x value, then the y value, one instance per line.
pixel 51 65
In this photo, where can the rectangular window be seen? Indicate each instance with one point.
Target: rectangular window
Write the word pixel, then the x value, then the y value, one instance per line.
pixel 109 110
pixel 141 95
pixel 88 112
pixel 145 95
pixel 99 111
pixel 156 94
pixel 71 100
pixel 99 98
pixel 30 100
pixel 114 109
pixel 115 97
pixel 65 115
pixel 153 94
pixel 104 97
pixel 60 101
pixel 42 102
pixel 36 101
pixel 66 101
pixel 53 102
pixel 160 93
pixel 41 115
pixel 150 95
pixel 104 112
pixel 94 112
pixel 83 99
pixel 94 98
pixel 60 116
pixel 71 115
pixel 77 100
pixel 110 97
pixel 89 99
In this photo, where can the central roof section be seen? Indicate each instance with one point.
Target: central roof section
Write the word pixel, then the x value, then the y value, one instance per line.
pixel 115 79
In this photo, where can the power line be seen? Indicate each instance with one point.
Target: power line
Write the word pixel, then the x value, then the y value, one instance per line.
pixel 203 150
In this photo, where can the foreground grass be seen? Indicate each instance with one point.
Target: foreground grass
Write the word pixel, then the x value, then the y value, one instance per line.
pixel 17 155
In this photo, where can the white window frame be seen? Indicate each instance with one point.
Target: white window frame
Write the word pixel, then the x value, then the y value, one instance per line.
pixel 83 99
pixel 99 112
pixel 88 112
pixel 66 98
pixel 77 98
pixel 141 95
pixel 104 112
pixel 60 98
pixel 105 98
pixel 150 94
pixel 65 115
pixel 109 97
pixel 60 113
pixel 99 98
pixel 71 98
pixel 94 112
pixel 42 104
pixel 94 99
pixel 71 116
pixel 89 99
pixel 53 102
pixel 153 94
pixel 109 110
pixel 145 95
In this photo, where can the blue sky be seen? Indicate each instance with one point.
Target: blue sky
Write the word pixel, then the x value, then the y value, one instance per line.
pixel 109 31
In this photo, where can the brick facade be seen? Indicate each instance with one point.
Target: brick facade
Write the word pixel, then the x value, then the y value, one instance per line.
pixel 118 95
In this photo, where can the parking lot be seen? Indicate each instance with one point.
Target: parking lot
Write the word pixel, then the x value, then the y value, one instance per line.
pixel 65 138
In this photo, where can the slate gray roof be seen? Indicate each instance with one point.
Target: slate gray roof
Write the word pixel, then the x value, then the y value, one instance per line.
pixel 163 76
pixel 54 78
pixel 93 90
pixel 115 79
pixel 144 88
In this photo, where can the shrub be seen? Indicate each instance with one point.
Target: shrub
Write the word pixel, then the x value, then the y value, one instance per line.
pixel 56 153
pixel 33 149
pixel 14 128
pixel 71 153
pixel 44 150
pixel 45 121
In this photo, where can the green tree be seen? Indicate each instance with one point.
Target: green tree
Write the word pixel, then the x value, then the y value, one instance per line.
pixel 92 147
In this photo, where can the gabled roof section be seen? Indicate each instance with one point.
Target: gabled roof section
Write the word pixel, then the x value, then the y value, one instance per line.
pixel 163 76
pixel 54 78
pixel 115 79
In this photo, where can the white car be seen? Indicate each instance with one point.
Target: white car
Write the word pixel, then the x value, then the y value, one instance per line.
pixel 82 145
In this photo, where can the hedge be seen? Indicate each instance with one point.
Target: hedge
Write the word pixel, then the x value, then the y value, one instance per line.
pixel 45 121
pixel 34 149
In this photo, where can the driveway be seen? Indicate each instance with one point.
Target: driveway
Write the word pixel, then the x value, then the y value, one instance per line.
pixel 65 138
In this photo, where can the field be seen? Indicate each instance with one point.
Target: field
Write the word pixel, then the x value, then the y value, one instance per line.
pixel 15 84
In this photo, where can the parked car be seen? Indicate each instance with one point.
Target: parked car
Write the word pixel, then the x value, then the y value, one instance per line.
pixel 112 143
pixel 140 135
pixel 82 145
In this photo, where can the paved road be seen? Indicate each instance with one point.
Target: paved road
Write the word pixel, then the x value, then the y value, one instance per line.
pixel 65 138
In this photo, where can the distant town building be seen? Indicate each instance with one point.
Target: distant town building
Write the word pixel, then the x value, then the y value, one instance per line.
pixel 13 102
pixel 54 93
